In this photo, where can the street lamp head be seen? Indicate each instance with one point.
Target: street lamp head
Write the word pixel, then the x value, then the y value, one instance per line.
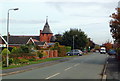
pixel 16 9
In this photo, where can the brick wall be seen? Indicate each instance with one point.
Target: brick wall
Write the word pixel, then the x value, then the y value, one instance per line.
pixel 51 53
pixel 45 37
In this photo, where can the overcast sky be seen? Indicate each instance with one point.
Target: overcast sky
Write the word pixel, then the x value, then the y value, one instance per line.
pixel 92 16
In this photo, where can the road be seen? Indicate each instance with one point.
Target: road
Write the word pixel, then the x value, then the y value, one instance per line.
pixel 82 67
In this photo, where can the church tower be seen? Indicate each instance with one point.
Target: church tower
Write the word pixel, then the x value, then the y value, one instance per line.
pixel 46 33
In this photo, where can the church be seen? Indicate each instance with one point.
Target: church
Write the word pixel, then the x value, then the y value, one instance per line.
pixel 44 39
pixel 46 34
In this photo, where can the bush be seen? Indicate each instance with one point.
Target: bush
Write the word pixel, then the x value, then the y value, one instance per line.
pixel 16 61
pixel 4 61
pixel 68 48
pixel 11 60
pixel 44 53
pixel 61 51
pixel 25 49
pixel 22 61
pixel 40 55
pixel 32 59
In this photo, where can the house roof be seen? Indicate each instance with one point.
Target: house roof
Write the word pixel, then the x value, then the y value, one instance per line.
pixel 46 29
pixel 53 38
pixel 2 40
pixel 39 43
pixel 20 39
pixel 36 42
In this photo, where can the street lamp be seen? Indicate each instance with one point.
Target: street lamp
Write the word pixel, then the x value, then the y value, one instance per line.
pixel 8 33
pixel 73 43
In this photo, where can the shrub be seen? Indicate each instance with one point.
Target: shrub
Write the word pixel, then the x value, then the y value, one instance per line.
pixel 40 55
pixel 32 59
pixel 61 51
pixel 68 48
pixel 22 61
pixel 25 49
pixel 11 60
pixel 44 53
pixel 16 61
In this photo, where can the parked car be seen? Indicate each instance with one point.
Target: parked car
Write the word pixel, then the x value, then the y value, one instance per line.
pixel 75 52
pixel 112 52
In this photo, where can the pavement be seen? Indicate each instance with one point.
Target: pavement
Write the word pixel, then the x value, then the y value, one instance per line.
pixel 113 69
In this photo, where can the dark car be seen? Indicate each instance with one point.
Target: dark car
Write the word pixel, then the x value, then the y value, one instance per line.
pixel 112 52
pixel 74 52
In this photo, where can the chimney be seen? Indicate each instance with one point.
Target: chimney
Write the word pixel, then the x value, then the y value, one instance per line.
pixel 40 31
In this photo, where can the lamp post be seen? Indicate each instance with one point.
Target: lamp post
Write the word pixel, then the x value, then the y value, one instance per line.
pixel 73 42
pixel 8 33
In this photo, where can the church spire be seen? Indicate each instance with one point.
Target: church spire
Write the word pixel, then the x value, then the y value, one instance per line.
pixel 46 28
pixel 46 19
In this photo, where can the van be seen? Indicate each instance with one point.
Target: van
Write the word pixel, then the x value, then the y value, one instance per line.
pixel 102 50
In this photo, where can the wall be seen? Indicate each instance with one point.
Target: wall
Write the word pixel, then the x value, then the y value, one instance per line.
pixel 51 53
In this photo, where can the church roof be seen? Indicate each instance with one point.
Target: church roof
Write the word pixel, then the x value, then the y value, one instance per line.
pixel 46 29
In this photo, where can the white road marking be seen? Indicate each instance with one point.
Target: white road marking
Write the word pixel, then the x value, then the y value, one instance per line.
pixel 67 68
pixel 76 65
pixel 52 76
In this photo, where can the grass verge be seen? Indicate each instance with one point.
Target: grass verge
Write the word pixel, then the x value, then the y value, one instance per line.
pixel 31 62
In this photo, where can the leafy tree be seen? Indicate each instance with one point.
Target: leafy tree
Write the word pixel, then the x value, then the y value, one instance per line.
pixel 97 47
pixel 108 45
pixel 58 38
pixel 90 44
pixel 5 51
pixel 115 29
pixel 14 50
pixel 80 38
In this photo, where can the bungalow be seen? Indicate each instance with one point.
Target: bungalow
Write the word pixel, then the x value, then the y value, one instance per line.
pixel 16 41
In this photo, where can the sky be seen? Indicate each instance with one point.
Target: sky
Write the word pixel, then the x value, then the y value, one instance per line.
pixel 91 16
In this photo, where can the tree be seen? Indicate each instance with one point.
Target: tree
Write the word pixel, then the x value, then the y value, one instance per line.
pixel 5 51
pixel 108 45
pixel 90 44
pixel 58 38
pixel 14 50
pixel 115 29
pixel 97 47
pixel 80 38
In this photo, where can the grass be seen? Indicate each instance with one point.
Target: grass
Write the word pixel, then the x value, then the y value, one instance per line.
pixel 31 62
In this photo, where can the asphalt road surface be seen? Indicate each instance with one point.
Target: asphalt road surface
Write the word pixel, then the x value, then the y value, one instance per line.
pixel 82 67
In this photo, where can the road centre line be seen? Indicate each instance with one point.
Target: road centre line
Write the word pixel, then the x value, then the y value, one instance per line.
pixel 52 76
pixel 67 68
pixel 76 65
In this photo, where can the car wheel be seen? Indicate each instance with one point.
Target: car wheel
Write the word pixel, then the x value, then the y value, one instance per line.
pixel 68 54
pixel 78 54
